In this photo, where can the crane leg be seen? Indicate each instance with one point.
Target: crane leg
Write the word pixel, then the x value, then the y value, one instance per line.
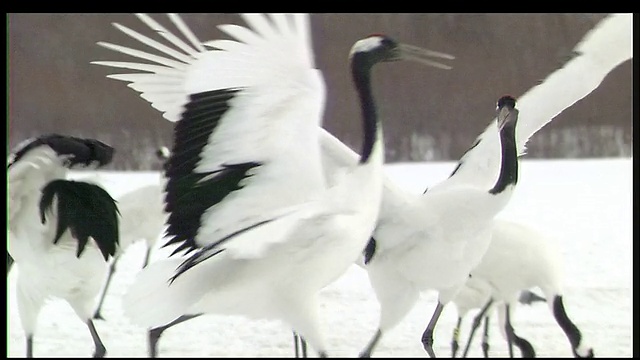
pixel 112 269
pixel 30 345
pixel 485 338
pixel 155 333
pixel 302 348
pixel 366 353
pixel 476 323
pixel 427 335
pixel 456 335
pixel 100 349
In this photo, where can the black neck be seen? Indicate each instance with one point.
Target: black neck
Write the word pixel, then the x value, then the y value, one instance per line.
pixel 526 349
pixel 509 164
pixel 569 328
pixel 361 71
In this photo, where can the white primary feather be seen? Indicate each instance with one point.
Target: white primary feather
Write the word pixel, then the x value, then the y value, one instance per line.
pixel 601 50
pixel 271 120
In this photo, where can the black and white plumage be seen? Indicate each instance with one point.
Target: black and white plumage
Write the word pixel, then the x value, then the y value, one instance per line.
pixel 246 189
pixel 520 257
pixel 142 217
pixel 62 232
pixel 600 51
pixel 432 241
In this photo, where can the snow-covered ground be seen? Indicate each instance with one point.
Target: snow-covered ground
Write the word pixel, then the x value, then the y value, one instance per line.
pixel 586 205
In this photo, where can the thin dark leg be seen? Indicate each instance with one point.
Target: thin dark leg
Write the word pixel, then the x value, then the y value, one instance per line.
pixel 454 340
pixel 112 269
pixel 9 263
pixel 30 346
pixel 303 345
pixel 476 323
pixel 508 329
pixel 427 335
pixel 485 338
pixel 366 353
pixel 100 349
pixel 155 333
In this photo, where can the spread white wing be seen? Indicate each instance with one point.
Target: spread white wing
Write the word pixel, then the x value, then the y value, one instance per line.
pixel 247 111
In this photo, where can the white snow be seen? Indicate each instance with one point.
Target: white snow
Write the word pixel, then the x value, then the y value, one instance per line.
pixel 585 204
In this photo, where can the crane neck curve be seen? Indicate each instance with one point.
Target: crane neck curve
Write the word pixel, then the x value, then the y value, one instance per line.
pixel 509 159
pixel 361 73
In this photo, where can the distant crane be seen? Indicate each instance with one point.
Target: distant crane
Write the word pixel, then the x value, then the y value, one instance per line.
pixel 142 217
pixel 473 296
pixel 246 187
pixel 519 257
pixel 62 232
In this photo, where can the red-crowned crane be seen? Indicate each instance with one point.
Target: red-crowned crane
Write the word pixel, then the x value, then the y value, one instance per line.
pixel 520 257
pixel 246 188
pixel 142 217
pixel 62 231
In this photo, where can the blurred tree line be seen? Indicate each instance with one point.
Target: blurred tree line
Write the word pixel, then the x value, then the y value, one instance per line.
pixel 429 114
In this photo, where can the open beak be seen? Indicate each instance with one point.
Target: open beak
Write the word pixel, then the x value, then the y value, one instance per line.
pixel 423 56
pixel 506 115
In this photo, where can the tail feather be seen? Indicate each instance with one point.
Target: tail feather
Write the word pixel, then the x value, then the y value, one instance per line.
pixel 152 300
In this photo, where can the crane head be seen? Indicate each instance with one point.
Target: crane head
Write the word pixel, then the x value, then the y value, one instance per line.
pixel 378 48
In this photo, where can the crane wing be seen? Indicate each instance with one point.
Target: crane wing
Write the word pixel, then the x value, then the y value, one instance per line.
pixel 601 50
pixel 247 111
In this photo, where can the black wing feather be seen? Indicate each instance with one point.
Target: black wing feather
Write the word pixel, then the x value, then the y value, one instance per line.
pixel 212 250
pixel 80 151
pixel 188 194
pixel 86 210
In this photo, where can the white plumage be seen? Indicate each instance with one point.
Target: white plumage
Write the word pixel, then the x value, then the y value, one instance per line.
pixel 432 241
pixel 601 50
pixel 62 232
pixel 410 235
pixel 246 185
pixel 520 257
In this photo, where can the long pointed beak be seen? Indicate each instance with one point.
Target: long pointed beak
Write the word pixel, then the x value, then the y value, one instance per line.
pixel 507 115
pixel 423 56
